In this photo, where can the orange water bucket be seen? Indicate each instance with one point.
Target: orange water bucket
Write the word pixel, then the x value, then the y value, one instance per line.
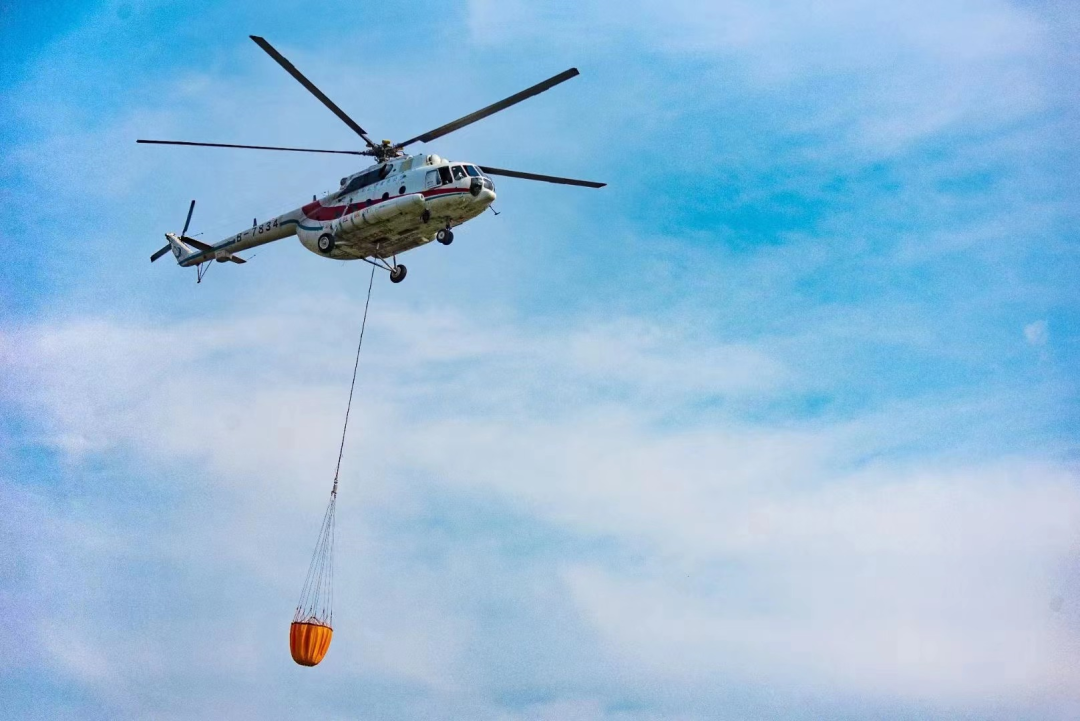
pixel 309 642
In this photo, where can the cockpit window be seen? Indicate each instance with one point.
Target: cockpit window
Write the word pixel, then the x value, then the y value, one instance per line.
pixel 472 171
pixel 459 173
pixel 444 174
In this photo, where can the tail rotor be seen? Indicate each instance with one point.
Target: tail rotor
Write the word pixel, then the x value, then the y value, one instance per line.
pixel 183 234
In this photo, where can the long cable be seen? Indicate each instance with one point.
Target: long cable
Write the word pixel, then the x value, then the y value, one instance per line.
pixel 316 597
pixel 352 387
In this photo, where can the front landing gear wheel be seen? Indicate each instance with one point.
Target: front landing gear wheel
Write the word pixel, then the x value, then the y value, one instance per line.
pixel 326 244
pixel 397 273
pixel 445 236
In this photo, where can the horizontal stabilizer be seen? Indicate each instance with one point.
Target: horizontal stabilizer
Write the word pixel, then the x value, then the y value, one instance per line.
pixel 196 243
pixel 235 259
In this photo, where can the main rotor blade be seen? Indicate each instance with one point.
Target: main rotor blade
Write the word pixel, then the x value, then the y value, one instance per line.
pixel 160 253
pixel 190 210
pixel 252 147
pixel 545 178
pixel 291 70
pixel 492 109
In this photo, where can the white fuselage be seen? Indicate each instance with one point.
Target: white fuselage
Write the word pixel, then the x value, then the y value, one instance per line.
pixel 381 211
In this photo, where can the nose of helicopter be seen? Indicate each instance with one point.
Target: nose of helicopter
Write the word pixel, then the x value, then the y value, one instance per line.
pixel 482 190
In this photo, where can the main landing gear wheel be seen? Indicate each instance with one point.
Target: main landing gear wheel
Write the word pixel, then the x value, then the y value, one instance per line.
pixel 397 273
pixel 326 244
pixel 445 236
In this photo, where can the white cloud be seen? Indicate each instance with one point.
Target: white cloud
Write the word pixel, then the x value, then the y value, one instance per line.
pixel 740 552
pixel 894 74
pixel 1037 333
pixel 933 586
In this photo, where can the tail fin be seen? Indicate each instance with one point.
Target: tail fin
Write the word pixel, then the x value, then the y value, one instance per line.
pixel 179 249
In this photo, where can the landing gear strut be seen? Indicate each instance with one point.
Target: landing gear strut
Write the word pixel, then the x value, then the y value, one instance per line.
pixel 397 271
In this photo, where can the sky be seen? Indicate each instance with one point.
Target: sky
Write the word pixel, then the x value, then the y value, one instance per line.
pixel 782 423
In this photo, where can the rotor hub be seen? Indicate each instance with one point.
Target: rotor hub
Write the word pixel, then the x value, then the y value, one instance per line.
pixel 385 151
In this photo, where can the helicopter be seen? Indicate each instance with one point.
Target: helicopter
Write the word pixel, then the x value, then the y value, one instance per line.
pixel 400 203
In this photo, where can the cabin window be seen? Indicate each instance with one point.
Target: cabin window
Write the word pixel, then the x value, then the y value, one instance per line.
pixel 354 185
pixel 363 180
pixel 401 190
pixel 444 174
pixel 386 196
pixel 472 171
pixel 459 173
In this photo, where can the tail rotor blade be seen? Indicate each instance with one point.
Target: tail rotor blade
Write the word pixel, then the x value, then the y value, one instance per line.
pixel 190 210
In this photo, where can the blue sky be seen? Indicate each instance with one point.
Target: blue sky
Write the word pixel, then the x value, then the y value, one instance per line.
pixel 780 424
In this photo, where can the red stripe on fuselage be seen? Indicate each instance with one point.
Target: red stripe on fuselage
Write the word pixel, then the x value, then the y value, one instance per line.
pixel 315 211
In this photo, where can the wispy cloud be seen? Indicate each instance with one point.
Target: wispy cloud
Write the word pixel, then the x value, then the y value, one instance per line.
pixel 1037 333
pixel 782 548
pixel 890 76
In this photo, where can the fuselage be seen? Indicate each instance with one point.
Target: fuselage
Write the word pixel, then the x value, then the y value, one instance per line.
pixel 381 211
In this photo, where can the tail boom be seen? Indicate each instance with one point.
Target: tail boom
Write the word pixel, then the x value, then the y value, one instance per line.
pixel 259 234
